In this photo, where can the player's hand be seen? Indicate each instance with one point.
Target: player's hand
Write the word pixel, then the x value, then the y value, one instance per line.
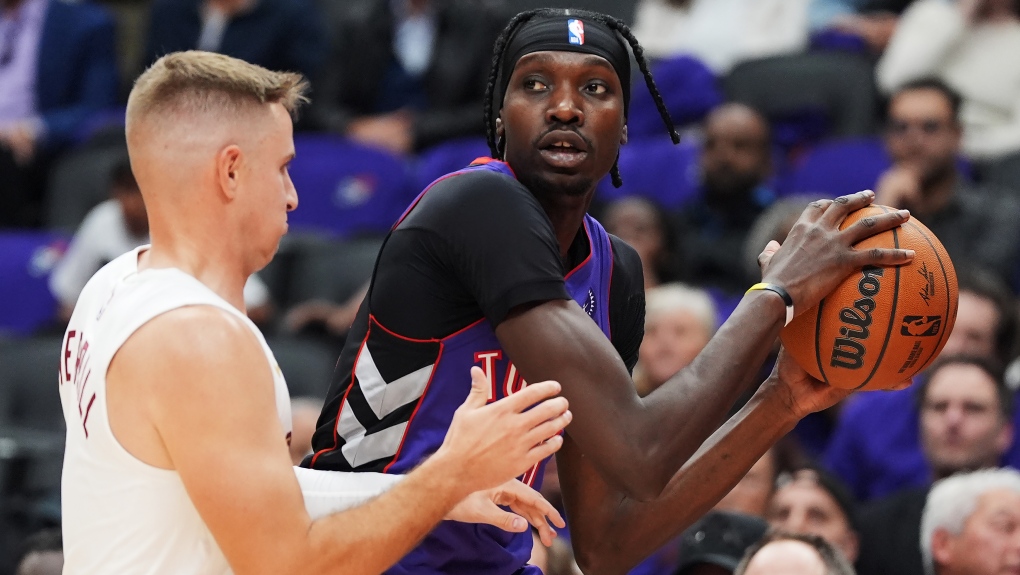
pixel 799 392
pixel 528 506
pixel 487 445
pixel 817 255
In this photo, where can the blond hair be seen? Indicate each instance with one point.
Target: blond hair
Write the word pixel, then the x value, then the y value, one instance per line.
pixel 204 82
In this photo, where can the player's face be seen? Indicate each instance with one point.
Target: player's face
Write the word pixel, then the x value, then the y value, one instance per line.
pixel 562 120
pixel 989 543
pixel 272 193
pixel 803 506
pixel 961 425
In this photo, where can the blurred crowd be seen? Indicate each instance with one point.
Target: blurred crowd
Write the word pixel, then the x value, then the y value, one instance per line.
pixel 779 101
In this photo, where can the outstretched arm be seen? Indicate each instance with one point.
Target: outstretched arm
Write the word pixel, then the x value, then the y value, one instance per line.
pixel 612 532
pixel 638 444
pixel 192 391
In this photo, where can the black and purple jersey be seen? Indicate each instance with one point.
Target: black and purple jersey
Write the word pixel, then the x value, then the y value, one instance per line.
pixel 474 245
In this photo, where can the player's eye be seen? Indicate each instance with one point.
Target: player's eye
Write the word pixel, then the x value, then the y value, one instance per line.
pixel 596 88
pixel 533 84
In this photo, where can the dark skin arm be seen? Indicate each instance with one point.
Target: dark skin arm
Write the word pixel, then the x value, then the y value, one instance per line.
pixel 637 444
pixel 611 533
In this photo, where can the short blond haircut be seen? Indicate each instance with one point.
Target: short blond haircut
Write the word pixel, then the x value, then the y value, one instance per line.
pixel 204 82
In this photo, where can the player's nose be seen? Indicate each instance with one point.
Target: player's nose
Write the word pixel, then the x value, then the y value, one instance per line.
pixel 565 106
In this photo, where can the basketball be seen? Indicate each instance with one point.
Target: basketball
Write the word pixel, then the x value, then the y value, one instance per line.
pixel 881 325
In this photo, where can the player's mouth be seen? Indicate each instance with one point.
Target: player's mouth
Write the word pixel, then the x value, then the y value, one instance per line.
pixel 563 149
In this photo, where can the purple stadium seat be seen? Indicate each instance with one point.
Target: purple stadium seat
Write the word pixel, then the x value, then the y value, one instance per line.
pixel 833 39
pixel 26 260
pixel 345 188
pixel 838 167
pixel 447 157
pixel 689 89
pixel 657 170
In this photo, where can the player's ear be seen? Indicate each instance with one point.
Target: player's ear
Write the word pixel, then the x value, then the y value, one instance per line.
pixel 623 138
pixel 500 130
pixel 228 170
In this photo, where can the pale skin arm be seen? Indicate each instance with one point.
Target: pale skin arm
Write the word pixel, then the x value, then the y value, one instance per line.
pixel 192 391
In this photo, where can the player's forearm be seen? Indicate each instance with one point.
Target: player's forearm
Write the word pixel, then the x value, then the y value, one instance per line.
pixel 611 532
pixel 687 409
pixel 368 539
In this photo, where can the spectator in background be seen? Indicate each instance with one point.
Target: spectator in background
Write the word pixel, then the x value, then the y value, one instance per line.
pixel 965 425
pixel 809 501
pixel 112 228
pixel 873 21
pixel 970 524
pixel 679 321
pixel 43 555
pixel 974 223
pixel 721 33
pixel 406 74
pixel 645 227
pixel 57 65
pixel 878 464
pixel 970 45
pixel 736 163
pixel 716 543
pixel 793 554
pixel 276 34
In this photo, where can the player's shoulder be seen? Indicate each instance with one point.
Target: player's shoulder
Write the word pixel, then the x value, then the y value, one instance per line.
pixel 626 260
pixel 476 195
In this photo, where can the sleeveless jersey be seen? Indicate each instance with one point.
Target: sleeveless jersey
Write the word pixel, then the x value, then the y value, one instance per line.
pixel 121 515
pixel 395 414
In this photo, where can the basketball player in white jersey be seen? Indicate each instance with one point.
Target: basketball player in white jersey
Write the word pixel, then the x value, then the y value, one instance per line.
pixel 177 414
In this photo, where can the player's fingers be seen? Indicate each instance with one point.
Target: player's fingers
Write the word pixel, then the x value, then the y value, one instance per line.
pixel 843 205
pixel 872 225
pixel 814 210
pixel 505 520
pixel 547 429
pixel 479 389
pixel 529 503
pixel 544 449
pixel 546 410
pixel 766 255
pixel 530 395
pixel 881 257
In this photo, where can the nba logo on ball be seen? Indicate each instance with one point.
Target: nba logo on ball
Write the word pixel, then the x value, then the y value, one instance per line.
pixel 575 32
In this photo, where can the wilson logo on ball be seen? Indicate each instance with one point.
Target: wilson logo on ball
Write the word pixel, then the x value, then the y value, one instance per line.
pixel 921 325
pixel 848 351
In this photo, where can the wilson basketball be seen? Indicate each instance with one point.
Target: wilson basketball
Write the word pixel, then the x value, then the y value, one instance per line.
pixel 881 325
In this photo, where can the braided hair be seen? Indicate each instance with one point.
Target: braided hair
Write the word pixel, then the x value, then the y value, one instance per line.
pixel 612 23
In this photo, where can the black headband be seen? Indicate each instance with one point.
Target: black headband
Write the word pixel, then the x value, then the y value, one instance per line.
pixel 566 33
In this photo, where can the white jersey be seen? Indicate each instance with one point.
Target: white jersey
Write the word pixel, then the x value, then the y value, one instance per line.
pixel 121 515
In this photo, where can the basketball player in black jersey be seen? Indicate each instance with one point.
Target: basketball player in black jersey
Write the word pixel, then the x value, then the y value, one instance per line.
pixel 494 251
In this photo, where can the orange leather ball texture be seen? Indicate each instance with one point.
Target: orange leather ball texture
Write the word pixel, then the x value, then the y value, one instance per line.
pixel 881 325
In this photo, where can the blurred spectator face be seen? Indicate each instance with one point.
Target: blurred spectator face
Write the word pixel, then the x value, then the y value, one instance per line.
pixel 804 506
pixel 977 322
pixel 989 541
pixel 635 221
pixel 922 134
pixel 736 156
pixel 962 424
pixel 679 322
pixel 751 496
pixel 786 557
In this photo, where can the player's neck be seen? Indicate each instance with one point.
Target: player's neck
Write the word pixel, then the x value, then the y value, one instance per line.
pixel 567 216
pixel 207 261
